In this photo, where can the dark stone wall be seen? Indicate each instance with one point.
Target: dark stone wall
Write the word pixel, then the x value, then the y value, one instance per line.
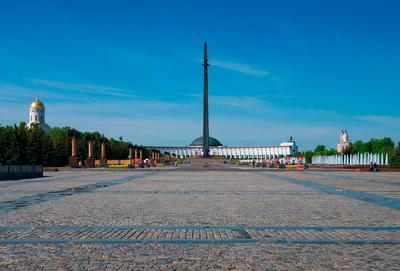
pixel 16 172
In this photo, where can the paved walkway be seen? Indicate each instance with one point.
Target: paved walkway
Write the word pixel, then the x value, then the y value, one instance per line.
pixel 201 219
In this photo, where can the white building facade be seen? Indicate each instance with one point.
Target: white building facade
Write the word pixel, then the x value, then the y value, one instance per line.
pixel 258 153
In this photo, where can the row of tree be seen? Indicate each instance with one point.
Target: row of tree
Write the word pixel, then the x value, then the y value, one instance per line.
pixel 384 145
pixel 21 145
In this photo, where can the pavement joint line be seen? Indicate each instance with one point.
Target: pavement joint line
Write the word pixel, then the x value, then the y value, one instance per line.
pixel 195 241
pixel 25 201
pixel 333 190
pixel 190 227
pixel 355 179
pixel 283 235
pixel 379 192
pixel 46 179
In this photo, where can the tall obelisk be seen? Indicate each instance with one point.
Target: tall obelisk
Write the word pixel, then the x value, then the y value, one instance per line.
pixel 206 147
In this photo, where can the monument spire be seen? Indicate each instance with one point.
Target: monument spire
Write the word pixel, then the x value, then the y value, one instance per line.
pixel 206 147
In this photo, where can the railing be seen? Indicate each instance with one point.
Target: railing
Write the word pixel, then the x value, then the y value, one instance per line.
pixel 14 172
pixel 351 159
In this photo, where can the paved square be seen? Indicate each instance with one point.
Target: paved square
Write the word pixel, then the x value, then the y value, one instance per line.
pixel 193 219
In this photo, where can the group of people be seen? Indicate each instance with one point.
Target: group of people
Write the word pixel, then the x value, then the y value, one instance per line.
pixel 373 167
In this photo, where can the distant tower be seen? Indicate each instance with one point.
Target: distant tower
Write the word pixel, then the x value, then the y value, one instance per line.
pixel 344 141
pixel 292 144
pixel 205 141
pixel 206 136
pixel 37 115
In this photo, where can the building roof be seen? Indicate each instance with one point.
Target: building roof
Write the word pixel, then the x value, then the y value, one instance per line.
pixel 212 142
pixel 36 104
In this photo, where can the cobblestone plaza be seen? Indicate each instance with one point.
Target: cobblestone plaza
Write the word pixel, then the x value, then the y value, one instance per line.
pixel 177 219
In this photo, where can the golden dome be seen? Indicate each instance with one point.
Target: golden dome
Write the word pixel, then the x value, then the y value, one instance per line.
pixel 36 104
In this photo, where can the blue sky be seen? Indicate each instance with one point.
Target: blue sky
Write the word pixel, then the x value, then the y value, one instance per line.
pixel 306 69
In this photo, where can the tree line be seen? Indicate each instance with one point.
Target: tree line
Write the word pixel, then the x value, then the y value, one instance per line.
pixel 384 145
pixel 21 145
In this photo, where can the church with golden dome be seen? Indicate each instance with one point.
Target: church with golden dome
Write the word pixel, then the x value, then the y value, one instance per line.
pixel 37 115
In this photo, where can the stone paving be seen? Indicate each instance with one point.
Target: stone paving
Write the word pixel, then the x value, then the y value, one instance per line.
pixel 196 220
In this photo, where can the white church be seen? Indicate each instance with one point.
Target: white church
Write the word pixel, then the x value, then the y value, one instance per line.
pixel 344 142
pixel 37 115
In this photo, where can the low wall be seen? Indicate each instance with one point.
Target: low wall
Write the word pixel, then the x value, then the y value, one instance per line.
pixel 124 162
pixel 356 167
pixel 15 172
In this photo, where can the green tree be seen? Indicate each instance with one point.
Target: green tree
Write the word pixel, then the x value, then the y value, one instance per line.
pixel 22 142
pixel 331 151
pixel 7 147
pixel 360 147
pixel 349 149
pixel 49 155
pixel 59 138
pixel 308 155
pixel 81 147
pixel 395 160
pixel 117 149
pixel 320 149
pixel 296 154
pixel 385 145
pixel 23 145
pixel 12 152
pixel 35 146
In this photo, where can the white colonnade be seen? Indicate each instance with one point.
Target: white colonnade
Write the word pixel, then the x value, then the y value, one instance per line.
pixel 229 152
pixel 351 159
